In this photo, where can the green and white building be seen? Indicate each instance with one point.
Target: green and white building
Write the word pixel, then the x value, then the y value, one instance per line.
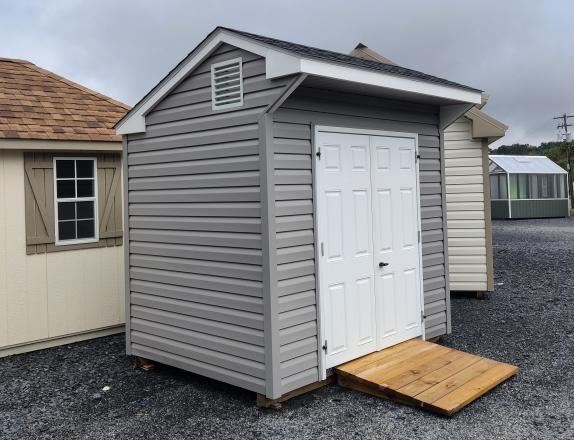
pixel 527 187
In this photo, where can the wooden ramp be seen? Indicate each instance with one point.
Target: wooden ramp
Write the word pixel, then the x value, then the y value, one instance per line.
pixel 424 374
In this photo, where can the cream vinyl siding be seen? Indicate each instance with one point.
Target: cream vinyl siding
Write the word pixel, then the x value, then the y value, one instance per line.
pixel 53 295
pixel 465 196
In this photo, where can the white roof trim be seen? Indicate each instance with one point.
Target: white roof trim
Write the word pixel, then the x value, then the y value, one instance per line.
pixel 59 145
pixel 387 81
pixel 278 64
pixel 526 164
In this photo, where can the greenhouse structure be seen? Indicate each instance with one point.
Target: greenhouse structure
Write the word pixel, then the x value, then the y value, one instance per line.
pixel 527 187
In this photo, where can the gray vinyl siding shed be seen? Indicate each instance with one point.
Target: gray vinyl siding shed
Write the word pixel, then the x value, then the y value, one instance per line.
pixel 220 247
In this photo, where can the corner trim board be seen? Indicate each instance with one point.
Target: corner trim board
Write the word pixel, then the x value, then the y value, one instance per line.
pixel 445 233
pixel 487 218
pixel 125 202
pixel 269 251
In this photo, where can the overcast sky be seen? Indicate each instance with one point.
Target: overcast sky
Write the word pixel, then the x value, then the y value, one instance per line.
pixel 520 52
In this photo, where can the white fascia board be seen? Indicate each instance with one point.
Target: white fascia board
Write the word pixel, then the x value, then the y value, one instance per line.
pixel 59 145
pixel 385 80
pixel 277 64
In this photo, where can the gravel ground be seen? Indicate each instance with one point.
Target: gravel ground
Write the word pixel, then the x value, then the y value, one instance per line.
pixel 528 321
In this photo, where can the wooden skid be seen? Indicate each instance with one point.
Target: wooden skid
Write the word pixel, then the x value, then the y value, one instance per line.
pixel 421 373
pixel 265 402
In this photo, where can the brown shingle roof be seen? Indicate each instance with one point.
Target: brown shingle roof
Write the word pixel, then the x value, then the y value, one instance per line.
pixel 38 104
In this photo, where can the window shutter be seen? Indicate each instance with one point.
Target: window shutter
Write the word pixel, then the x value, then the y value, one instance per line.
pixel 110 199
pixel 39 201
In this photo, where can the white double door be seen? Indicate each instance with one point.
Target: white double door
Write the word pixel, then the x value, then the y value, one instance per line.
pixel 369 274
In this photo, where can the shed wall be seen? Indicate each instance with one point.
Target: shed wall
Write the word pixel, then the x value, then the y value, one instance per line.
pixel 196 297
pixel 293 130
pixel 499 209
pixel 468 245
pixel 49 296
pixel 539 208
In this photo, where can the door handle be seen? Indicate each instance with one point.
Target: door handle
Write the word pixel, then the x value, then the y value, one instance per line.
pixel 381 264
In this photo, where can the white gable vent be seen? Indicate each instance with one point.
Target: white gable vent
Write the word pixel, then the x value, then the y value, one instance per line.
pixel 226 84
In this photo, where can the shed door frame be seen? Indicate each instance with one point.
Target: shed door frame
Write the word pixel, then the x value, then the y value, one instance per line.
pixel 345 130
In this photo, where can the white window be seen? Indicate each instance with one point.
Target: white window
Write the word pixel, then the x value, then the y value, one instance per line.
pixel 227 84
pixel 76 207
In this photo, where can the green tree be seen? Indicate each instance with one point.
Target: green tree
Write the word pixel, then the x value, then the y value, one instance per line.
pixel 514 150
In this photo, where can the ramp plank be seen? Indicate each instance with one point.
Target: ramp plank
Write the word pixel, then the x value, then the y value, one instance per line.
pixel 424 374
pixel 416 359
pixel 438 376
pixel 455 381
pixel 367 362
pixel 475 388
pixel 388 362
pixel 421 369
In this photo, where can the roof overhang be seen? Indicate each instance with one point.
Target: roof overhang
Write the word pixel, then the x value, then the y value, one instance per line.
pixel 59 145
pixel 281 63
pixel 485 126
pixel 548 165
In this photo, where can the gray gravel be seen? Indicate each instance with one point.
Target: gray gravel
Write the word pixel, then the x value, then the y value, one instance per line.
pixel 57 393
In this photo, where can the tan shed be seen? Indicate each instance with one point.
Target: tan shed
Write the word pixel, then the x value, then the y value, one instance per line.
pixel 468 200
pixel 61 253
pixel 467 192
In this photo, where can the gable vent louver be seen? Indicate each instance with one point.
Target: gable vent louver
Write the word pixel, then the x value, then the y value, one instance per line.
pixel 226 84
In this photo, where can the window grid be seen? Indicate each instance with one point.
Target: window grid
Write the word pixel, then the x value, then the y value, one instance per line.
pixel 498 184
pixel 537 186
pixel 79 197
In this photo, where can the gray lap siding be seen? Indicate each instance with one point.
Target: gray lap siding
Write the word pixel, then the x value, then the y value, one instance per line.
pixel 293 125
pixel 196 298
pixel 198 215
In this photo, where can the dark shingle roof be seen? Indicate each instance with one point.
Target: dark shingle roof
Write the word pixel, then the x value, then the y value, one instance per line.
pixel 336 57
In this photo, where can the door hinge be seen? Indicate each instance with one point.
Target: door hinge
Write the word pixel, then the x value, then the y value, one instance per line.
pixel 417 156
pixel 419 235
pixel 423 316
pixel 322 250
pixel 318 153
pixel 325 346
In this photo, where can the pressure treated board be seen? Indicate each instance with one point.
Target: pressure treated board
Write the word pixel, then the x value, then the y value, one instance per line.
pixel 425 374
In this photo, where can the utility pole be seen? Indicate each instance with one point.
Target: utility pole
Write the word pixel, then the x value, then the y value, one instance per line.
pixel 566 137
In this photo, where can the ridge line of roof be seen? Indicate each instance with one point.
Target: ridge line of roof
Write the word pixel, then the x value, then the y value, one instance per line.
pixel 15 60
pixel 393 69
pixel 519 155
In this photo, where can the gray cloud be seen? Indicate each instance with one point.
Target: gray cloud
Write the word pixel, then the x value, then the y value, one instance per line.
pixel 520 52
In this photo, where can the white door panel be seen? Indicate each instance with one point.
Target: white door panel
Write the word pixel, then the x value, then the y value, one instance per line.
pixel 336 317
pixel 395 234
pixel 345 232
pixel 368 213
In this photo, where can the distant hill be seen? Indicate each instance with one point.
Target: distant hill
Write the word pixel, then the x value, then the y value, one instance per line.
pixel 556 151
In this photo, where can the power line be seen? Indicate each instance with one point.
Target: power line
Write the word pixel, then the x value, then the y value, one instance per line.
pixel 566 138
pixel 564 125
